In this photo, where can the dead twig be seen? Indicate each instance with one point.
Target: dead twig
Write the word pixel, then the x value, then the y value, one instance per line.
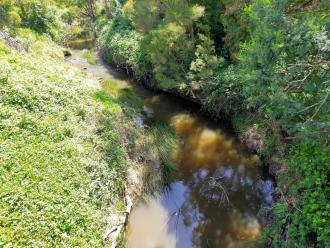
pixel 116 230
pixel 216 184
pixel 297 83
pixel 320 106
pixel 312 66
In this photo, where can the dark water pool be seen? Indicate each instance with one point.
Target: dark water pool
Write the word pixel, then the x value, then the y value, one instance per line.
pixel 217 193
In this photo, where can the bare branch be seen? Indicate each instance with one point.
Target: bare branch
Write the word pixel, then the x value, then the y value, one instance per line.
pixel 309 107
pixel 322 103
pixel 116 229
pixel 312 67
pixel 297 83
pixel 215 183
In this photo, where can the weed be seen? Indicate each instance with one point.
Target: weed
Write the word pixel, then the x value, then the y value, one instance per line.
pixel 89 55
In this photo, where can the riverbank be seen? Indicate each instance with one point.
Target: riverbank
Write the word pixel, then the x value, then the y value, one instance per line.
pixel 262 64
pixel 150 142
pixel 70 151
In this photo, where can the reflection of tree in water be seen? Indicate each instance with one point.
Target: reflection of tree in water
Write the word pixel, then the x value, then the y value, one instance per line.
pixel 226 222
pixel 220 222
pixel 202 147
pixel 223 199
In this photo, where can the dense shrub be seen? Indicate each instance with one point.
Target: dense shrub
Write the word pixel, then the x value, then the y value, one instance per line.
pixel 120 46
pixel 63 20
pixel 38 16
pixel 9 13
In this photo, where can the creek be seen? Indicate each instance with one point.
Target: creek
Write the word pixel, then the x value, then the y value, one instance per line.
pixel 218 191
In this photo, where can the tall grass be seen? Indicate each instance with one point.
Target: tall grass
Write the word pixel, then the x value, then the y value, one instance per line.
pixel 160 139
pixel 163 142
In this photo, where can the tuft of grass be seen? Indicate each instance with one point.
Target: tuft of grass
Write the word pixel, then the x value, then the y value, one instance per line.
pixel 159 138
pixel 163 142
pixel 104 97
pixel 123 95
pixel 129 98
pixel 89 55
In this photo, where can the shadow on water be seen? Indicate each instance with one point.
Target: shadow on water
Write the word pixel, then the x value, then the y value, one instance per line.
pixel 218 189
pixel 81 43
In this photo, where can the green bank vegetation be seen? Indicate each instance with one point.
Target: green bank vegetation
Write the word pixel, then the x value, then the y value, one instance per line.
pixel 63 20
pixel 65 148
pixel 264 64
pixel 62 159
pixel 89 55
pixel 156 141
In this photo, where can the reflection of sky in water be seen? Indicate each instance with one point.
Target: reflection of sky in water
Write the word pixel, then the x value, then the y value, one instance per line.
pixel 265 191
pixel 217 193
pixel 228 172
pixel 188 221
pixel 139 121
pixel 173 199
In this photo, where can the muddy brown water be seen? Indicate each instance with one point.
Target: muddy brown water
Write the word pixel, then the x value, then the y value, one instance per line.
pixel 218 191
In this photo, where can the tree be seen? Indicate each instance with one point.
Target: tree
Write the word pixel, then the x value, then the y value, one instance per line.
pixel 88 8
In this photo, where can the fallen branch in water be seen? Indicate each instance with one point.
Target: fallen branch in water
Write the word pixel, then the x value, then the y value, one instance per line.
pixel 116 229
pixel 215 183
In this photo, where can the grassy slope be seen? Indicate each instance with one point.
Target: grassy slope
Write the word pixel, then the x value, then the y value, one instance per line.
pixel 61 158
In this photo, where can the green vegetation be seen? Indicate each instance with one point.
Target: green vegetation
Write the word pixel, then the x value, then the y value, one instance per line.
pixel 64 146
pixel 261 63
pixel 157 140
pixel 63 156
pixel 89 55
pixel 162 142
pixel 264 64
pixel 56 180
pixel 63 20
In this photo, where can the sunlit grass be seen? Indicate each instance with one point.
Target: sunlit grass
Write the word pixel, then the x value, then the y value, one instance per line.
pixel 89 55
pixel 160 138
pixel 123 94
pixel 61 156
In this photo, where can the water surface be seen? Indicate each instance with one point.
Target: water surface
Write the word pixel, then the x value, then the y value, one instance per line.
pixel 218 190
pixel 216 195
